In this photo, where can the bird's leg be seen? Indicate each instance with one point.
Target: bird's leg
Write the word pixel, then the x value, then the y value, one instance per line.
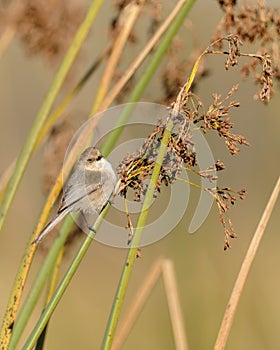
pixel 86 223
pixel 108 201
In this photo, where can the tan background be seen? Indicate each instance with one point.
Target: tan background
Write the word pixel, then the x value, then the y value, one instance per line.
pixel 205 273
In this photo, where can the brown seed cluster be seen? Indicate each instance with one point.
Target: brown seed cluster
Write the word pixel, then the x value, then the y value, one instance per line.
pixel 217 118
pixel 181 154
pixel 226 197
pixel 137 167
pixel 45 27
pixel 255 22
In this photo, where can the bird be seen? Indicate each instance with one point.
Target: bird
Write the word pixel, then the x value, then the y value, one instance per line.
pixel 87 190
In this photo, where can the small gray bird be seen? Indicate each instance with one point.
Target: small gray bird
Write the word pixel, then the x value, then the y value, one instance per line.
pixel 88 189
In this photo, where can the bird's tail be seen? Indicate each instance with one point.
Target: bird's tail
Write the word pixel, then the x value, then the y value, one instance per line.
pixel 49 226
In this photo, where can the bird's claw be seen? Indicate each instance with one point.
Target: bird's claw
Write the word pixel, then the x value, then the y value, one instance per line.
pixel 91 229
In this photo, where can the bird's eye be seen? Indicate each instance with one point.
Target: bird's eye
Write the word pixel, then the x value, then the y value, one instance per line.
pixel 90 160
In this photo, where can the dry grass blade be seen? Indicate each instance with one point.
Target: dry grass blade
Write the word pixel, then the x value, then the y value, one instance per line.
pixel 144 53
pixel 245 268
pixel 166 267
pixel 138 304
pixel 129 17
pixel 174 305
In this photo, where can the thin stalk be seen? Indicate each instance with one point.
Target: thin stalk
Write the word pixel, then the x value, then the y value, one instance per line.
pixel 33 337
pixel 129 17
pixel 131 256
pixel 244 271
pixel 166 267
pixel 138 304
pixel 175 310
pixel 41 118
pixel 141 57
pixel 18 286
pixel 146 77
pixel 51 289
pixel 132 252
pixel 39 283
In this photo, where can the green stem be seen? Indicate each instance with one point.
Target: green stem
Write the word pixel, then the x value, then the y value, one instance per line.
pixel 43 320
pixel 39 283
pixel 131 256
pixel 45 109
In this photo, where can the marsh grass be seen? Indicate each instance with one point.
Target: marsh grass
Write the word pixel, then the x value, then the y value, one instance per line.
pixel 14 321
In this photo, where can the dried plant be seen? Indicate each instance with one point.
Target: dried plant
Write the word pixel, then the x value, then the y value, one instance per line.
pixel 44 27
pixel 217 118
pixel 181 153
pixel 253 23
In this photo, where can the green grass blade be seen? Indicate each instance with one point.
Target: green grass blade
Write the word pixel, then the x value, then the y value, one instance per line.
pixel 39 283
pixel 132 252
pixel 131 256
pixel 62 286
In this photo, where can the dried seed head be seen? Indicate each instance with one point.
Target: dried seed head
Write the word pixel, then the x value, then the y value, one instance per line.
pixel 181 154
pixel 46 27
pixel 251 23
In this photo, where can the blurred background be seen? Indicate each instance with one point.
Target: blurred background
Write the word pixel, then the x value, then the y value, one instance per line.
pixel 205 273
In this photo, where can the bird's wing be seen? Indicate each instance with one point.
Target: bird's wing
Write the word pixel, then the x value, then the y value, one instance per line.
pixel 65 208
pixel 74 194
